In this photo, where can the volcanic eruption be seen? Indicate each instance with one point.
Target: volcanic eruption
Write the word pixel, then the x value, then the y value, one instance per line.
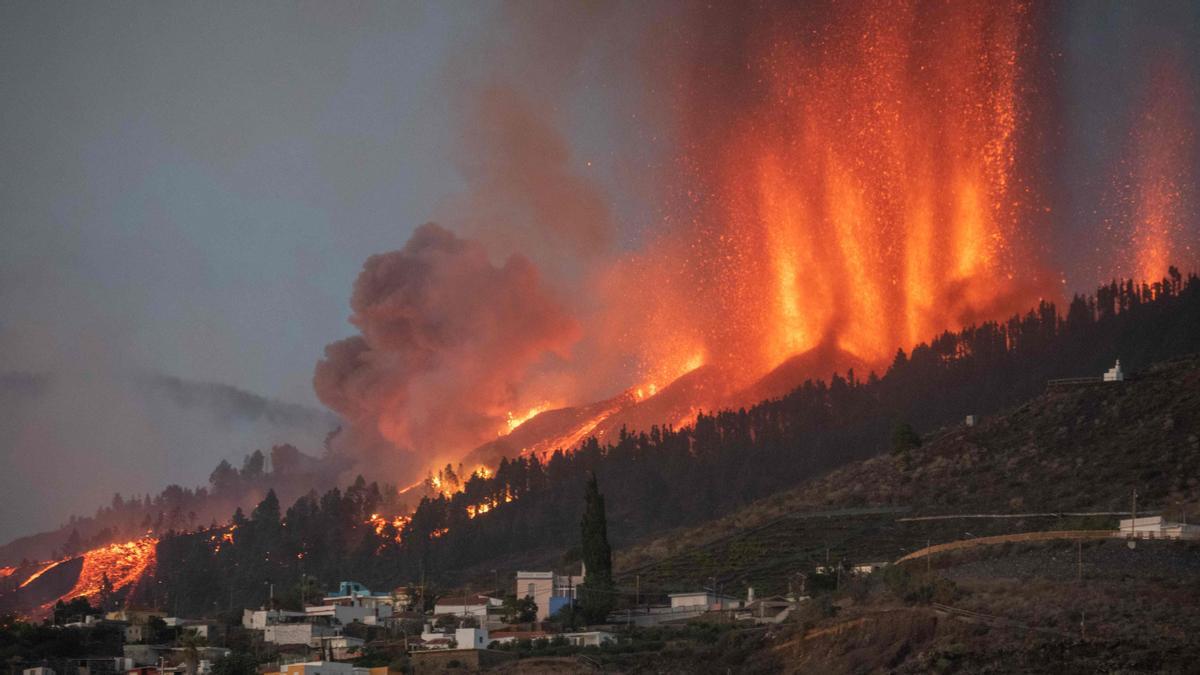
pixel 841 181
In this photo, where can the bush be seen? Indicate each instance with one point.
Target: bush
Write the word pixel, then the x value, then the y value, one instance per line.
pixel 904 438
pixel 918 589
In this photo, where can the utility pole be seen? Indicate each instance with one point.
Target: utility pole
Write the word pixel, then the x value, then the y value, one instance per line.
pixel 1079 560
pixel 637 592
pixel 1133 519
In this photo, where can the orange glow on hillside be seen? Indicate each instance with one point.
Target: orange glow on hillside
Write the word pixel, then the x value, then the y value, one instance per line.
pixel 513 421
pixel 380 523
pixel 42 570
pixel 124 564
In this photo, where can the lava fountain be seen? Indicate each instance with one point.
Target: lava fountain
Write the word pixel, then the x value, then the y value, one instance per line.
pixel 861 173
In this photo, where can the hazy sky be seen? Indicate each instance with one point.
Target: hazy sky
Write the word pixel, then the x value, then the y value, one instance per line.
pixel 192 187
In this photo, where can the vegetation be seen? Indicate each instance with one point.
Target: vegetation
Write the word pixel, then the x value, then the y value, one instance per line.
pixel 662 479
pixel 519 610
pixel 21 641
pixel 598 592
pixel 904 438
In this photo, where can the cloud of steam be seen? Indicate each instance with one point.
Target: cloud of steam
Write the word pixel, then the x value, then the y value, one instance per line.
pixel 446 341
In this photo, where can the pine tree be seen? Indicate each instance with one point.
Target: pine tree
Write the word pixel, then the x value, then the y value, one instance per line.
pixel 74 543
pixel 106 592
pixel 598 592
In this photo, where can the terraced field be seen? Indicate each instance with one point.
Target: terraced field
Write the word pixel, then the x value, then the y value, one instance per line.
pixel 771 556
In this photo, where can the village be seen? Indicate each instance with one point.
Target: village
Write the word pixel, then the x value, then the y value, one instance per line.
pixel 354 630
pixel 474 629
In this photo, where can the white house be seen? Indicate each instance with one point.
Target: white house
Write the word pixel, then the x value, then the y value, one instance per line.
pixel 591 638
pixel 703 600
pixel 352 593
pixel 1115 374
pixel 1155 527
pixel 550 591
pixel 471 638
pixel 259 619
pixel 863 569
pixel 468 605
pixel 297 633
pixel 344 614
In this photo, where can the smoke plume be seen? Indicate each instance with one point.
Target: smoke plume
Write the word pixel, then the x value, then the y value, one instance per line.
pixel 447 341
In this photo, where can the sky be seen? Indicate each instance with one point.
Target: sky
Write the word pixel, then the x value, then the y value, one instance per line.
pixel 191 189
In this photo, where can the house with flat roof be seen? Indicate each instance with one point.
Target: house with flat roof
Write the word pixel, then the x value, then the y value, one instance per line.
pixel 1157 527
pixel 466 605
pixel 550 591
pixel 708 600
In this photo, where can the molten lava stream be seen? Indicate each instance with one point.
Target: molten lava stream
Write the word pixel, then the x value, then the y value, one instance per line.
pixel 124 564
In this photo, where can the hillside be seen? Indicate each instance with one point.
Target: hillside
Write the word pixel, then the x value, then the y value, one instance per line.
pixel 525 514
pixel 1071 449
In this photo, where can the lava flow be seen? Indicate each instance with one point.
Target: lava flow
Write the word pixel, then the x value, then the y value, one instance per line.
pixel 122 564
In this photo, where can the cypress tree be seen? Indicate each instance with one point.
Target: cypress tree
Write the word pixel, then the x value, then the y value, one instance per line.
pixel 598 592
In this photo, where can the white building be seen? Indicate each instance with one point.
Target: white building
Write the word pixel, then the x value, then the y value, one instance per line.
pixel 344 614
pixel 550 591
pixel 466 605
pixel 1115 374
pixel 298 633
pixel 1155 527
pixel 867 568
pixel 471 638
pixel 707 600
pixel 352 593
pixel 259 619
pixel 591 638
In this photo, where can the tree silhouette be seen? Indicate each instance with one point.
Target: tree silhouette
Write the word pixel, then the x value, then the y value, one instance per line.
pixel 598 592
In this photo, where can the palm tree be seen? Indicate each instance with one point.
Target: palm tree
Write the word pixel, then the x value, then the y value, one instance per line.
pixel 191 642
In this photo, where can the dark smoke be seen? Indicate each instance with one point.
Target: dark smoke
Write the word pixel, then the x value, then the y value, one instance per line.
pixel 447 339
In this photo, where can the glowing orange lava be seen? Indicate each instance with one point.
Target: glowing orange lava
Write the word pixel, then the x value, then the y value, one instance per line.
pixel 124 564
pixel 222 537
pixel 42 570
pixel 511 421
pixel 380 523
pixel 1164 147
pixel 873 182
